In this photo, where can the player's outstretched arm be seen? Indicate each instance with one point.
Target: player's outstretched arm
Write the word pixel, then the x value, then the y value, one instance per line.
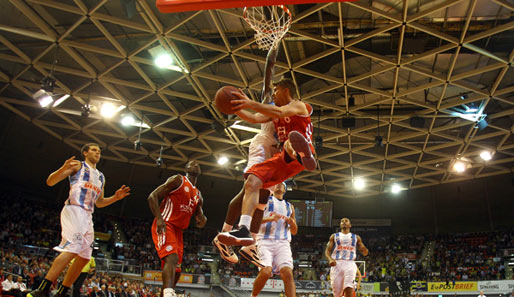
pixel 296 107
pixel 253 118
pixel 269 71
pixel 360 246
pixel 121 193
pixel 292 222
pixel 329 249
pixel 70 167
pixel 159 193
pixel 200 218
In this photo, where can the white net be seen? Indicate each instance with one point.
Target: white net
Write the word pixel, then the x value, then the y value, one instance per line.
pixel 270 23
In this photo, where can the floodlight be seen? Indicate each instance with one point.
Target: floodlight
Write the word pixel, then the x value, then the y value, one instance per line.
pixel 108 110
pixel 163 60
pixel 43 97
pixel 127 120
pixel 486 155
pixel 359 183
pixel 396 188
pixel 222 160
pixel 459 166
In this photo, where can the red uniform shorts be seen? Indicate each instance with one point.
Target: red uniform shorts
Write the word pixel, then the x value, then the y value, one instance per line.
pixel 169 242
pixel 275 170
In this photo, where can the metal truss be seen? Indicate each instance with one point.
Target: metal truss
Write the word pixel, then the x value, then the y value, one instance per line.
pixel 394 59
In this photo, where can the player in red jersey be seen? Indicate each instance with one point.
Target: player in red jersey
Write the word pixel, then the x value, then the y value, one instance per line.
pixel 293 127
pixel 180 200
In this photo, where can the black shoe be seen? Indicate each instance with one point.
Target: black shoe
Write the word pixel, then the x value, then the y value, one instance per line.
pixel 38 293
pixel 239 236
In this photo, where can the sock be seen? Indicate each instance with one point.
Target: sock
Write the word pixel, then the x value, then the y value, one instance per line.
pixel 62 290
pixel 45 285
pixel 254 236
pixel 226 227
pixel 245 220
pixel 168 292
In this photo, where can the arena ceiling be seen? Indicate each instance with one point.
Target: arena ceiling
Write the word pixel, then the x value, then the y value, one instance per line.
pixel 419 73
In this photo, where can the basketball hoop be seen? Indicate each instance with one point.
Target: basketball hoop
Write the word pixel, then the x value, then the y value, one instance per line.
pixel 270 23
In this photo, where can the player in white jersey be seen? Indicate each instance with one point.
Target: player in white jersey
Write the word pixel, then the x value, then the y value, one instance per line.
pixel 262 147
pixel 86 190
pixel 341 253
pixel 273 241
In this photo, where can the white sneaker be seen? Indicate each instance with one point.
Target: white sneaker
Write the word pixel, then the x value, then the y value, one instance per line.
pixel 251 254
pixel 226 252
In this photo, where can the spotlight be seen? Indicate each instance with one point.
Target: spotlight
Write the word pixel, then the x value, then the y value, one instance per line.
pixel 137 144
pixel 351 101
pixel 378 141
pixel 486 155
pixel 459 166
pixel 48 84
pixel 222 160
pixel 163 60
pixel 463 96
pixel 289 187
pixel 482 124
pixel 158 162
pixel 108 110
pixel 43 97
pixel 359 184
pixel 127 120
pixel 471 108
pixel 85 110
pixel 396 188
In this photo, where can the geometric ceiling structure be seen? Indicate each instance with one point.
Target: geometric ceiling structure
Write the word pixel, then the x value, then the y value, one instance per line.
pixel 417 74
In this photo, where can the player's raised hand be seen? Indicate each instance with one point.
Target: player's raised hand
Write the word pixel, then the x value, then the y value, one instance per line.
pixel 122 192
pixel 241 103
pixel 70 163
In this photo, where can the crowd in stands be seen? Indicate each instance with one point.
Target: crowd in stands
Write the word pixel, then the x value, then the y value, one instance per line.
pixel 470 256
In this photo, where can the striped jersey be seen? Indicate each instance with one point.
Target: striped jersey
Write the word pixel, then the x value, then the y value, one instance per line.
pixel 180 204
pixel 85 187
pixel 344 246
pixel 278 230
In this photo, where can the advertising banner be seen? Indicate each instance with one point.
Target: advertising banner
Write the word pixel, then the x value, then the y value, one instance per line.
pixel 399 288
pixel 271 284
pixel 418 286
pixel 501 286
pixel 366 288
pixel 155 277
pixel 452 287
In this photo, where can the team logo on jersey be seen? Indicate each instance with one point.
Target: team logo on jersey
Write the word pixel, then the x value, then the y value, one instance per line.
pixel 169 248
pixel 186 189
pixel 77 237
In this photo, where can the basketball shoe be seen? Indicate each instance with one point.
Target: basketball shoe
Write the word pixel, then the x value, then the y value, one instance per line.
pixel 226 252
pixel 38 293
pixel 239 236
pixel 303 149
pixel 251 254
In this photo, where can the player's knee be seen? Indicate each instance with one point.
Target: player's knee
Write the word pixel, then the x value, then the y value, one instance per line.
pixel 286 273
pixel 252 183
pixel 266 271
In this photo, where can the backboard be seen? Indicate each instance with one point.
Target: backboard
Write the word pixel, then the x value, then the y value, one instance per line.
pixel 166 6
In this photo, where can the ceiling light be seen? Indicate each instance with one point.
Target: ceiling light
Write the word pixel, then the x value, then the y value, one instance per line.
pixel 222 160
pixel 43 97
pixel 108 110
pixel 163 60
pixel 359 183
pixel 486 155
pixel 396 188
pixel 459 166
pixel 127 120
pixel 463 96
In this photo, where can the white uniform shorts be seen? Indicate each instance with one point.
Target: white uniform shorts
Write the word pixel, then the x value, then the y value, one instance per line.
pixel 342 276
pixel 77 231
pixel 261 148
pixel 275 254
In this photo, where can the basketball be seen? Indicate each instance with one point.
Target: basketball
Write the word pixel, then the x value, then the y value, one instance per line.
pixel 223 98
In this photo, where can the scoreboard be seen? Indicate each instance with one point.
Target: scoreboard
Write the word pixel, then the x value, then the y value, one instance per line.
pixel 312 213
